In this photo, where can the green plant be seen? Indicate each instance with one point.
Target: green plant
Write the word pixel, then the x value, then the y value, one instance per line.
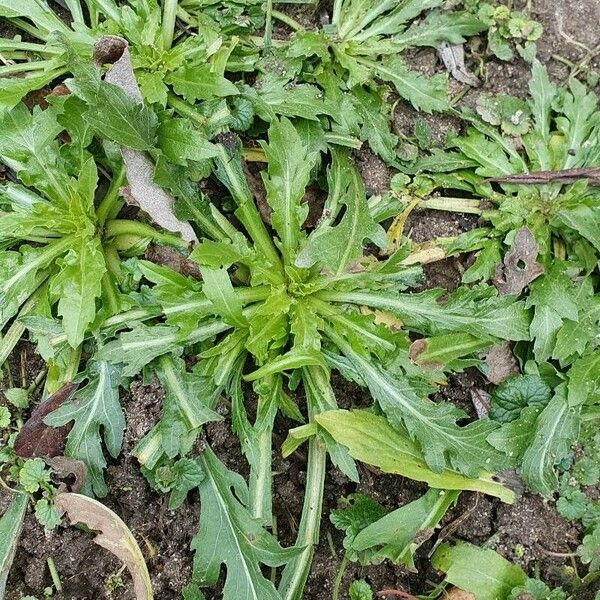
pixel 546 213
pixel 289 305
pixel 346 60
pixel 59 229
pixel 171 69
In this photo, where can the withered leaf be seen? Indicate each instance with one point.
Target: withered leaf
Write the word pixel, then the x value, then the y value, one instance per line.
pixel 565 176
pixel 64 466
pixel 151 198
pixel 113 535
pixel 481 402
pixel 520 267
pixel 38 439
pixel 501 363
pixel 453 57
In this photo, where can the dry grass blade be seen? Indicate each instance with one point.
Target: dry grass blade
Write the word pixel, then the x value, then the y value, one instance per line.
pixel 113 535
pixel 564 176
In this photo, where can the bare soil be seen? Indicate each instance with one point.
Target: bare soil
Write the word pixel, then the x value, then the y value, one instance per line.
pixel 530 532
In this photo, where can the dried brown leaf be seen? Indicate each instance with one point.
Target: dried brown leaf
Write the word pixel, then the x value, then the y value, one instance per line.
pixel 113 535
pixel 481 402
pixel 453 57
pixel 458 594
pixel 38 439
pixel 565 176
pixel 64 466
pixel 501 363
pixel 151 198
pixel 520 267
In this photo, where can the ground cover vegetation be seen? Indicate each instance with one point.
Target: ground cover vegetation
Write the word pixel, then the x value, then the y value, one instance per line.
pixel 180 202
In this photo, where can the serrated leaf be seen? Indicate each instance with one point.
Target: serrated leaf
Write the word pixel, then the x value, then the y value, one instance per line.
pixel 556 431
pixel 229 535
pixel 424 93
pixel 78 286
pixel 93 408
pixel 337 246
pixel 181 142
pixel 199 82
pixel 288 173
pixel 219 290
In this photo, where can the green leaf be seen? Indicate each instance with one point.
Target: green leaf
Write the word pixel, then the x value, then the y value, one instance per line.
pixel 481 571
pixel 556 431
pixel 443 443
pixel 187 405
pixel 112 112
pixel 554 300
pixel 589 551
pixel 337 246
pixel 584 380
pixel 288 173
pixel 18 397
pixel 5 417
pixel 229 535
pixel 441 351
pixel 371 439
pixel 438 26
pixel 478 311
pixel 199 82
pixel 33 475
pixel 94 407
pixel 424 93
pixel 78 285
pixel 401 532
pixel 136 348
pixel 516 393
pixel 372 110
pixel 218 289
pixel 11 524
pixel 360 590
pixel 46 514
pixel 358 512
pixel 181 142
pixel 188 476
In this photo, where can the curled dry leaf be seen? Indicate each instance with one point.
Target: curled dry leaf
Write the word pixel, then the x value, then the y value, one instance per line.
pixel 501 363
pixel 113 535
pixel 38 439
pixel 520 267
pixel 63 467
pixel 481 402
pixel 152 199
pixel 453 57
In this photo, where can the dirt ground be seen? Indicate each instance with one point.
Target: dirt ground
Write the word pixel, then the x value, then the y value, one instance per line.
pixel 529 533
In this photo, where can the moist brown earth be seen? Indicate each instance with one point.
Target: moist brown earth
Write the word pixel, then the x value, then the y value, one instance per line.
pixel 530 532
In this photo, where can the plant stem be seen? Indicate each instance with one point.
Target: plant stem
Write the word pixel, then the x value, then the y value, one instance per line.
pixel 297 570
pixel 54 574
pixel 34 65
pixel 450 204
pixel 268 24
pixel 169 17
pixel 295 574
pixel 107 209
pixel 117 227
pixel 185 109
pixel 292 23
pixel 8 45
pixel 338 578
